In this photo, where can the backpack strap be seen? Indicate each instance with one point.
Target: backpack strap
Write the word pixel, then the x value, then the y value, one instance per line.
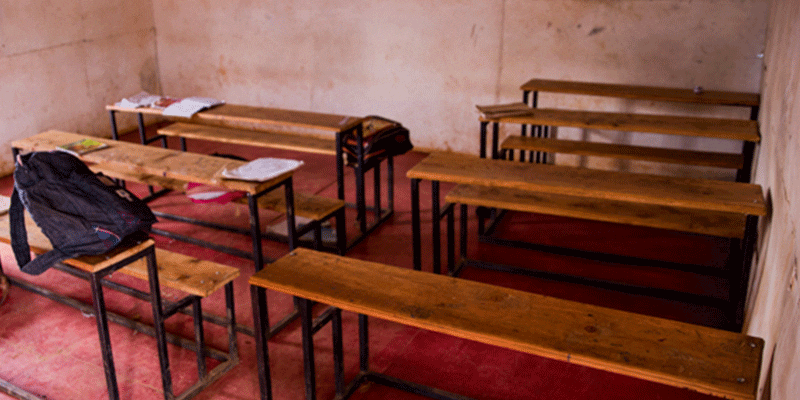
pixel 19 235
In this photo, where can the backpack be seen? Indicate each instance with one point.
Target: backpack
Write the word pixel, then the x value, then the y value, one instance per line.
pixel 82 213
pixel 382 138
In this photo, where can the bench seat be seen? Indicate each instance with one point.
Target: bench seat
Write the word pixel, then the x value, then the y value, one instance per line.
pixel 275 140
pixel 625 152
pixel 703 359
pixel 714 223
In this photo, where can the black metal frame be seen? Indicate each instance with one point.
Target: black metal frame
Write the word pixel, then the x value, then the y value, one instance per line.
pixel 161 311
pixel 380 215
pixel 737 269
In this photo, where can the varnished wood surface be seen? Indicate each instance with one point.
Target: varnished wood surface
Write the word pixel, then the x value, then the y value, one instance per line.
pixel 720 128
pixel 259 118
pixel 680 219
pixel 177 271
pixel 701 194
pixel 275 140
pixel 305 205
pixel 637 92
pixel 625 152
pixel 149 160
pixel 40 244
pixel 707 360
pixel 185 273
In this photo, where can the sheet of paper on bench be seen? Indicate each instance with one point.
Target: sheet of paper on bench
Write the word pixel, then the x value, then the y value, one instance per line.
pixel 141 99
pixel 189 106
pixel 262 169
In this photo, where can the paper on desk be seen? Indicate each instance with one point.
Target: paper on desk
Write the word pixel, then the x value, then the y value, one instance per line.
pixel 140 99
pixel 262 169
pixel 189 106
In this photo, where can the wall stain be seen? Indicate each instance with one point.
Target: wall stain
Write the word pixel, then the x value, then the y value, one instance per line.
pixel 596 30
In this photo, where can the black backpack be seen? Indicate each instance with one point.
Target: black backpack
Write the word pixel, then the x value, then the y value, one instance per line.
pixel 80 212
pixel 382 138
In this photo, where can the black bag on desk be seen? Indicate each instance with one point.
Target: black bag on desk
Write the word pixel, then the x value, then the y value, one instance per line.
pixel 382 138
pixel 80 212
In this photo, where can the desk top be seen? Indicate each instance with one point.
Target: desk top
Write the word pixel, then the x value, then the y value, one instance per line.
pixel 701 194
pixel 704 359
pixel 150 160
pixel 259 118
pixel 644 92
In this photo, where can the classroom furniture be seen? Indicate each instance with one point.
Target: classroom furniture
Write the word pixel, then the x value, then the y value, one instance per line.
pixel 704 206
pixel 139 258
pixel 706 360
pixel 303 131
pixel 174 168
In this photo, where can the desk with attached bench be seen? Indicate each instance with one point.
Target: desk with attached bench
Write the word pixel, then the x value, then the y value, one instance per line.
pixel 702 359
pixel 703 206
pixel 302 131
pixel 140 259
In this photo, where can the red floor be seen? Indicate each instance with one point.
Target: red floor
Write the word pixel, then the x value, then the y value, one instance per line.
pixel 51 350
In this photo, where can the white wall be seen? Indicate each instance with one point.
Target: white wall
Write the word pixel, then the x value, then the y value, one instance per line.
pixel 427 64
pixel 61 62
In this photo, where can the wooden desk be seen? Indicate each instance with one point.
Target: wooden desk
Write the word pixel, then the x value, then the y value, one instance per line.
pixel 709 201
pixel 269 120
pixel 704 359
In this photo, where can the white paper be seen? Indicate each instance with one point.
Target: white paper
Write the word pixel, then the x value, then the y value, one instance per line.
pixel 262 169
pixel 189 106
pixel 141 99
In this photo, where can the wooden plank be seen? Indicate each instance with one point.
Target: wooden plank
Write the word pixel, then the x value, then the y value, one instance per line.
pixel 637 92
pixel 150 160
pixel 700 194
pixel 704 222
pixel 187 274
pixel 707 360
pixel 177 271
pixel 258 118
pixel 305 205
pixel 39 244
pixel 626 152
pixel 720 128
pixel 275 140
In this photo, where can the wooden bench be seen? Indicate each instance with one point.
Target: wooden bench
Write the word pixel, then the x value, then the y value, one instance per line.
pixel 303 131
pixel 539 143
pixel 710 207
pixel 698 358
pixel 197 278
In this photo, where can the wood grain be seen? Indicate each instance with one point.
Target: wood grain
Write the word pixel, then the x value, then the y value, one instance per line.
pixel 267 139
pixel 152 161
pixel 720 128
pixel 707 360
pixel 636 92
pixel 700 194
pixel 680 219
pixel 625 152
pixel 258 118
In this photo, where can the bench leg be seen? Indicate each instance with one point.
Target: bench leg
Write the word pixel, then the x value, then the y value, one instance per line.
pixel 105 341
pixel 158 324
pixel 199 337
pixel 307 334
pixel 258 297
pixel 338 351
pixel 415 225
pixel 233 350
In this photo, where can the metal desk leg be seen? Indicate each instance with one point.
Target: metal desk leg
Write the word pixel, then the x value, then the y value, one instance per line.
pixel 437 227
pixel 308 346
pixel 158 323
pixel 415 225
pixel 105 341
pixel 258 297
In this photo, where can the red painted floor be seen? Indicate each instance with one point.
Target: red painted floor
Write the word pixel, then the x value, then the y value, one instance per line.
pixel 51 350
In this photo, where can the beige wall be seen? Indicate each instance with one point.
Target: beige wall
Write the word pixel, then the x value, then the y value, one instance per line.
pixel 61 62
pixel 775 297
pixel 427 63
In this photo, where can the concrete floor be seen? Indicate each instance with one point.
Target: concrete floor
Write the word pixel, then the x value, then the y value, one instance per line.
pixel 51 350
